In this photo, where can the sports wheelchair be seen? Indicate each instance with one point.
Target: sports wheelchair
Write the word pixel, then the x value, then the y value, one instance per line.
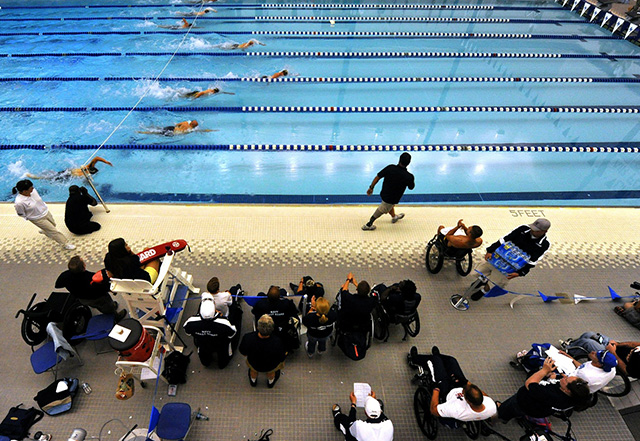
pixel 429 423
pixel 60 307
pixel 410 321
pixel 438 251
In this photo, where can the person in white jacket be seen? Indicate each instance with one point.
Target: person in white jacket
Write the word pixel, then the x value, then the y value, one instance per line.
pixel 30 206
pixel 377 427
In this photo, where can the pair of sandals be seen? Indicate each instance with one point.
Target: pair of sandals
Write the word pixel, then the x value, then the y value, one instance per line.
pixel 126 387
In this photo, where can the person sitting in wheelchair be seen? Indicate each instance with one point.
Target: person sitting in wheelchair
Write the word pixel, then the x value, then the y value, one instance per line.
pixel 354 310
pixel 453 396
pixel 310 290
pixel 460 237
pixel 545 393
pixel 597 372
pixel 627 353
pixel 284 314
pixel 400 298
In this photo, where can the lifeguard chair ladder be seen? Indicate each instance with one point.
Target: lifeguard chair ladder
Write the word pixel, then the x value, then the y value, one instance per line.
pixel 160 305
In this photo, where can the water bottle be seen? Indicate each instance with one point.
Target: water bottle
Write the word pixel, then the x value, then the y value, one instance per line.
pixel 202 417
pixel 78 435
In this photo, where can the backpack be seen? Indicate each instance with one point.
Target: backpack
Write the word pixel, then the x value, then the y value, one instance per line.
pixel 353 344
pixel 57 398
pixel 18 421
pixel 175 367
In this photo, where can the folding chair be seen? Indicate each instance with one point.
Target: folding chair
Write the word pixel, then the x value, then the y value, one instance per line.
pixel 174 421
pixel 53 352
pixel 98 328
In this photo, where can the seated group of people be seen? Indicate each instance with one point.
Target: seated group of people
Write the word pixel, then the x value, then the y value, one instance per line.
pixel 549 388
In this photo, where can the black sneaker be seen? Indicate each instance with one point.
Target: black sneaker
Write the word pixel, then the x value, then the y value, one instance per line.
pixel 336 410
pixel 270 384
pixel 411 357
pixel 252 382
pixel 435 350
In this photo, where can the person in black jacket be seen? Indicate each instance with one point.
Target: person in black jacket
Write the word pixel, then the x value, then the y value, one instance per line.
pixel 396 180
pixel 530 239
pixel 122 263
pixel 265 352
pixel 284 314
pixel 212 333
pixel 319 322
pixel 77 215
pixel 354 313
pixel 78 281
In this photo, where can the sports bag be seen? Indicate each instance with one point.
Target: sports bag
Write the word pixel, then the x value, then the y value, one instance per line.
pixel 353 344
pixel 57 398
pixel 18 421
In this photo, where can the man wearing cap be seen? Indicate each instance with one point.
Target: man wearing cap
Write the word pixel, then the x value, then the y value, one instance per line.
pixel 212 333
pixel 627 353
pixel 396 180
pixel 598 371
pixel 376 427
pixel 531 239
pixel 464 401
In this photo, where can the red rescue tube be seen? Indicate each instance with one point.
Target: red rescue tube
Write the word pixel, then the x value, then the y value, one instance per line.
pixel 160 250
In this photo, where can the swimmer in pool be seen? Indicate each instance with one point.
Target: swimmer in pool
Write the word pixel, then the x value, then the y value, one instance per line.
pixel 197 94
pixel 246 45
pixel 198 14
pixel 179 129
pixel 71 172
pixel 185 24
pixel 282 73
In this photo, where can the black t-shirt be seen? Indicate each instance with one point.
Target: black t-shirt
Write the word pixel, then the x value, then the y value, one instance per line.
pixel 396 180
pixel 209 334
pixel 542 400
pixel 317 329
pixel 76 212
pixel 263 354
pixel 79 285
pixel 355 311
pixel 279 311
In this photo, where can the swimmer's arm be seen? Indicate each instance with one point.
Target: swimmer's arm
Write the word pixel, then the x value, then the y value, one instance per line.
pixel 30 176
pixel 99 159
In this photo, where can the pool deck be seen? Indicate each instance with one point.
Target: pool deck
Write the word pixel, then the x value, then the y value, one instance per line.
pixel 257 246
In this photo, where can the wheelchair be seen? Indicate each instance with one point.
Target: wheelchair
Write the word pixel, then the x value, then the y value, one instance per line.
pixel 429 423
pixel 382 319
pixel 60 307
pixel 339 332
pixel 438 251
pixel 618 387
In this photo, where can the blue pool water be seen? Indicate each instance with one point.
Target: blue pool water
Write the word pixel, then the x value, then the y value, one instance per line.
pixel 80 98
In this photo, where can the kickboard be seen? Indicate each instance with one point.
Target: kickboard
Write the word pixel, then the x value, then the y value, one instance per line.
pixel 160 250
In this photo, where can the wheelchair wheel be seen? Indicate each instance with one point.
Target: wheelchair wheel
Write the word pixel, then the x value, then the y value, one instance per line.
pixel 34 331
pixel 471 429
pixel 75 321
pixel 434 258
pixel 413 327
pixel 619 386
pixel 421 403
pixel 380 326
pixel 463 265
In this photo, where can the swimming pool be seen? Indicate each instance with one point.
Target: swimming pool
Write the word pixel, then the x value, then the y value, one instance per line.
pixel 539 84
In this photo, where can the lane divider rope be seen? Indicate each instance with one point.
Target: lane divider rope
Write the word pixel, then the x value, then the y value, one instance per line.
pixel 323 54
pixel 622 147
pixel 337 109
pixel 340 34
pixel 341 79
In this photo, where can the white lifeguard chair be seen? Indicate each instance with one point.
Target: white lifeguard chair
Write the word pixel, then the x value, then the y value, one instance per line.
pixel 159 305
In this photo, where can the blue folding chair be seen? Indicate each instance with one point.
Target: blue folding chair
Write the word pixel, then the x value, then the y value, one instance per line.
pixel 98 328
pixel 53 352
pixel 174 422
